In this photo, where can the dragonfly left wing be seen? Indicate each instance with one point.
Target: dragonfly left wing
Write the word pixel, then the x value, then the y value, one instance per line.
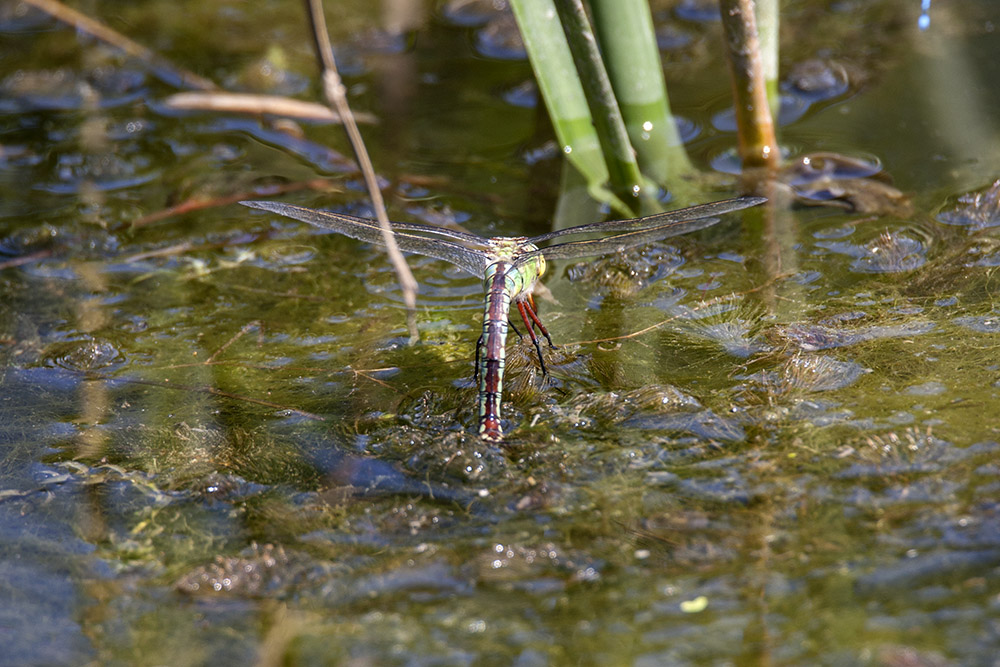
pixel 471 260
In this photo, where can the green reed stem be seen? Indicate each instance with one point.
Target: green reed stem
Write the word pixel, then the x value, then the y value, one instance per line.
pixel 560 88
pixel 768 22
pixel 625 177
pixel 628 45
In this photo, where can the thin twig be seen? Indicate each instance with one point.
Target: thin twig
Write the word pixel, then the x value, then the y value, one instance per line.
pixel 239 334
pixel 374 380
pixel 257 105
pixel 25 259
pixel 673 318
pixel 336 96
pixel 157 63
pixel 168 251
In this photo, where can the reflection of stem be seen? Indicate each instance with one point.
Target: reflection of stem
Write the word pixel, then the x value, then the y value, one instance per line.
pixel 91 316
pixel 102 32
pixel 91 520
pixel 93 409
pixel 336 96
pixel 775 236
pixel 958 104
pixel 652 327
pixel 755 127
pixel 283 629
pixel 219 392
pixel 757 641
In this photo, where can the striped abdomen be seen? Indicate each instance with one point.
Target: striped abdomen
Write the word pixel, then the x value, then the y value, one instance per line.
pixel 499 289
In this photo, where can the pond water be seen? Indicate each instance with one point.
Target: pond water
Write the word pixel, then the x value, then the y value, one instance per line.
pixel 773 441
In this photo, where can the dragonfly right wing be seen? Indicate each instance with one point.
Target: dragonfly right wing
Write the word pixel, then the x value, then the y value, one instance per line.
pixel 659 220
pixel 470 260
pixel 617 243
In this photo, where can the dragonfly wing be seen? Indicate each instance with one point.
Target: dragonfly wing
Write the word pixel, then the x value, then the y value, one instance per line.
pixel 284 209
pixel 659 219
pixel 458 235
pixel 617 243
pixel 471 260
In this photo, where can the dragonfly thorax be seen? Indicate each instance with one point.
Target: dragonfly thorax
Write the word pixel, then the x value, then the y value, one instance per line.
pixel 519 273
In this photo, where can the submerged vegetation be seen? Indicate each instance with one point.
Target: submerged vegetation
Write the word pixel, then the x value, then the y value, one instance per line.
pixel 771 441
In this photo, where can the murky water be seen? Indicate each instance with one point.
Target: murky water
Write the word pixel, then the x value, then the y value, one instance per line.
pixel 774 441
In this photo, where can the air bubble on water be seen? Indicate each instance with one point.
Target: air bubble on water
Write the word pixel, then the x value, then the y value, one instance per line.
pixel 924 22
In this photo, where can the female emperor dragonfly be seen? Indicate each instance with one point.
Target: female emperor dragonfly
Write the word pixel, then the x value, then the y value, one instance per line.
pixel 509 268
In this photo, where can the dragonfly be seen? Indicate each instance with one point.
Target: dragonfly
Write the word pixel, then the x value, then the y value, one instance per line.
pixel 509 267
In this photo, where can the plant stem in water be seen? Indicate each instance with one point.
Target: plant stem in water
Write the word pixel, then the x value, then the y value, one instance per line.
pixel 755 128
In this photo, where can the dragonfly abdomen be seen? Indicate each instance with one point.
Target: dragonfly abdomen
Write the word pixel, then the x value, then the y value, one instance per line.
pixel 499 291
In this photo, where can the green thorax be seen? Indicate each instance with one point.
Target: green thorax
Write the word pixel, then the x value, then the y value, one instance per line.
pixel 518 277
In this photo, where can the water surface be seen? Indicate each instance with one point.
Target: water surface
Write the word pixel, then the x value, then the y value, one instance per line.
pixel 773 441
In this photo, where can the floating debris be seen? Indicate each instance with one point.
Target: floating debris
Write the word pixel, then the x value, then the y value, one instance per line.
pixel 856 184
pixel 260 570
pixel 981 323
pixel 87 355
pixel 734 328
pixel 978 210
pixel 813 372
pixel 501 38
pixel 471 13
pixel 544 567
pixel 694 606
pixel 890 252
pixel 625 274
pixel 65 89
pixel 813 337
pixel 906 452
pixel 817 79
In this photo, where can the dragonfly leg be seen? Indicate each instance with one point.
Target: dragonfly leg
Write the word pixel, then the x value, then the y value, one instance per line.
pixel 520 336
pixel 529 317
pixel 533 312
pixel 479 351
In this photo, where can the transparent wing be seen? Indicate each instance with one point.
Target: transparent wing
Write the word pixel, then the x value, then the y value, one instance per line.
pixel 617 243
pixel 471 260
pixel 657 221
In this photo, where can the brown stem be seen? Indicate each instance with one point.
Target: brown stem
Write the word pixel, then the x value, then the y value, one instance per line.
pixel 336 96
pixel 755 127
